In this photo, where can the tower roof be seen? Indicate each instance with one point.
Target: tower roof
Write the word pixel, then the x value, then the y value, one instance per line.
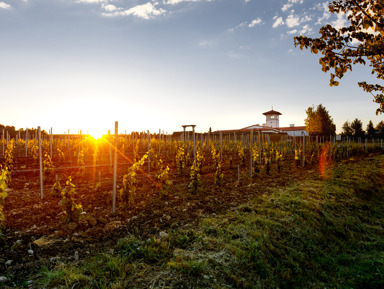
pixel 272 112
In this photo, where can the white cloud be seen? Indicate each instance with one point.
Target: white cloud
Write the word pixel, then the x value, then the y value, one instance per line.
pixel 91 1
pixel 173 2
pixel 290 3
pixel 4 5
pixel 255 22
pixel 286 6
pixel 145 11
pixel 341 21
pixel 292 21
pixel 110 7
pixel 242 25
pixel 306 30
pixel 294 31
pixel 305 18
pixel 326 14
pixel 278 21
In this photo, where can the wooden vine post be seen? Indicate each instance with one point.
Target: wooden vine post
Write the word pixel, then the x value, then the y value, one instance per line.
pixel 221 146
pixel 303 149
pixel 115 167
pixel 259 140
pixel 133 146
pixel 194 145
pixel 159 142
pixel 50 143
pixel 251 153
pixel 149 151
pixel 69 150
pixel 3 141
pixel 26 143
pixel 40 164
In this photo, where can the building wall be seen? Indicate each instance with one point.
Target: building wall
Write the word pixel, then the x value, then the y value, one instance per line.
pixel 297 132
pixel 272 120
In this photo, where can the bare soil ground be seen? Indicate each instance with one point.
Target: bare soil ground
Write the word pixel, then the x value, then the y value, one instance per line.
pixel 36 233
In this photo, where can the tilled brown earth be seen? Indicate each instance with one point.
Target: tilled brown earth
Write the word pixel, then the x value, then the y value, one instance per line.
pixel 36 233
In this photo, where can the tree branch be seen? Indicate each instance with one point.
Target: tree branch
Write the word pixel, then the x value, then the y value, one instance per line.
pixel 366 14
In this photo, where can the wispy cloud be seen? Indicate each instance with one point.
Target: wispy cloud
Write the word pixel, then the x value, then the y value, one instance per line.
pixel 144 11
pixel 326 14
pixel 294 31
pixel 4 5
pixel 173 2
pixel 91 1
pixel 306 29
pixel 340 21
pixel 292 20
pixel 245 24
pixel 278 22
pixel 255 22
pixel 290 3
pixel 149 10
pixel 110 7
pixel 286 6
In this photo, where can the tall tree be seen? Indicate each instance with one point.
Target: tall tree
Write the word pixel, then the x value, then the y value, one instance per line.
pixel 380 128
pixel 370 129
pixel 346 130
pixel 319 122
pixel 361 41
pixel 357 128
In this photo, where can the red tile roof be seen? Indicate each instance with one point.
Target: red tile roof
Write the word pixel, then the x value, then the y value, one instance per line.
pixel 272 112
pixel 292 128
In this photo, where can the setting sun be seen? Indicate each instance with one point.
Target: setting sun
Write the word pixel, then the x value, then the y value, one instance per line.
pixel 97 134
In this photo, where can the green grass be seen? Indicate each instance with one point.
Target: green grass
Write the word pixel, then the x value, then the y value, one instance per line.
pixel 310 234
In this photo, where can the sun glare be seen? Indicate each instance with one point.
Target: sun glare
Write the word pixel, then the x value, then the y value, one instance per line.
pixel 98 134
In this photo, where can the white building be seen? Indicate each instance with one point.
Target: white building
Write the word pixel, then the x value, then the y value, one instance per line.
pixel 272 118
pixel 272 122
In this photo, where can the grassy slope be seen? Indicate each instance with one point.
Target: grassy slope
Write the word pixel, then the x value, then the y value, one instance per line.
pixel 313 233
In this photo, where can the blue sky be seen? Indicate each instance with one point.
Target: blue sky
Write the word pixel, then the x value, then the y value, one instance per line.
pixel 83 64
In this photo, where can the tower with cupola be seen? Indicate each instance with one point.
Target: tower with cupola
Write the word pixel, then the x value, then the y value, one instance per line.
pixel 272 118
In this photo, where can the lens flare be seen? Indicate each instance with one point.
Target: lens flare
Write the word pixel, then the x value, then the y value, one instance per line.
pixel 324 162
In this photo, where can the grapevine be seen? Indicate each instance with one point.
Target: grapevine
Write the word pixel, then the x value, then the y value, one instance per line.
pixel 56 189
pixel 72 210
pixel 219 176
pixel 130 182
pixel 255 159
pixel 195 179
pixel 180 159
pixel 163 178
pixel 3 194
pixel 48 167
pixel 241 154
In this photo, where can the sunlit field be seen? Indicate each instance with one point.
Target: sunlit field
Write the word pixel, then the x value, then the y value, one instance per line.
pixel 145 210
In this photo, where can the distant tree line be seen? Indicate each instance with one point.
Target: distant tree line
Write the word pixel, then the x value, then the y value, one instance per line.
pixel 355 129
pixel 12 132
pixel 320 123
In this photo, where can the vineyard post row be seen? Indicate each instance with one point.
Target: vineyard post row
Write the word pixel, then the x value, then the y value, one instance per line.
pixel 264 138
pixel 247 141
